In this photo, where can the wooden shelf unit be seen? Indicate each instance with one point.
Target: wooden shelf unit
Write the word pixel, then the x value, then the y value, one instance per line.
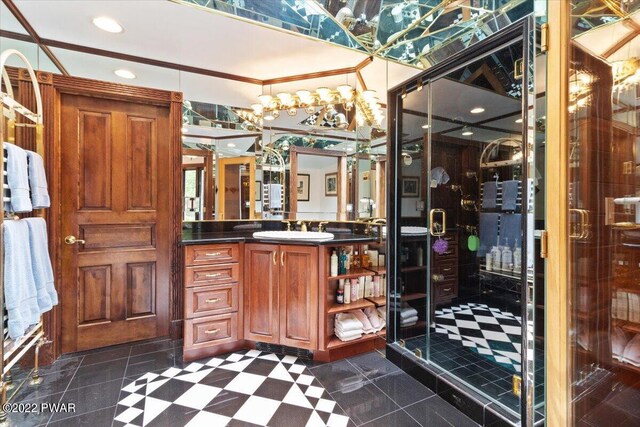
pixel 378 301
pixel 335 342
pixel 354 274
pixel 341 308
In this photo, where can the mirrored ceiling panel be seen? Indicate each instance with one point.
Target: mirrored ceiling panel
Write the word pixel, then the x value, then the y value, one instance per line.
pixel 591 14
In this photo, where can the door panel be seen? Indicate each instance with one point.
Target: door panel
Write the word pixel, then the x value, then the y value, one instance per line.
pixel 261 292
pixel 299 296
pixel 116 284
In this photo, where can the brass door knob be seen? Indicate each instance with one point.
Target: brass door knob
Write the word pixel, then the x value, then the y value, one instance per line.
pixel 72 240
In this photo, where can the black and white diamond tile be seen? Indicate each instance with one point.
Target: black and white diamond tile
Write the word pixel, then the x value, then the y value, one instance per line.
pixel 488 331
pixel 246 387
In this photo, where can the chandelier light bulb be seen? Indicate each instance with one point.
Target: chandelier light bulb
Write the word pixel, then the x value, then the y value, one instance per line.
pixel 346 92
pixel 257 109
pixel 285 98
pixel 324 93
pixel 265 100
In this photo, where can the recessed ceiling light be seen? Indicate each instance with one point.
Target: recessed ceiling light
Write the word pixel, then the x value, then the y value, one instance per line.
pixel 349 149
pixel 107 24
pixel 231 145
pixel 125 74
pixel 519 120
pixel 477 110
pixel 425 126
pixel 466 131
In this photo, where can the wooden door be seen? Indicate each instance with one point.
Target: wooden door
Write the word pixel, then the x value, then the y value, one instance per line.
pixel 261 270
pixel 229 190
pixel 116 185
pixel 299 296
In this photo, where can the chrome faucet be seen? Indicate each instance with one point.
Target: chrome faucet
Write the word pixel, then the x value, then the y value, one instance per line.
pixel 321 226
pixel 288 225
pixel 303 225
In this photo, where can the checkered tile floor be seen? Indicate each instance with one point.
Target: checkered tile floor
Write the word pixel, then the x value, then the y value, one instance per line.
pixel 488 331
pixel 244 387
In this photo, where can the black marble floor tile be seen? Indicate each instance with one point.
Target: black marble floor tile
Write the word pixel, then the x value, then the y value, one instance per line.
pixel 99 373
pixel 435 411
pixel 99 418
pixel 152 347
pixel 40 417
pixel 106 356
pixel 397 418
pixel 402 389
pixel 55 382
pixel 373 365
pixel 90 398
pixel 149 362
pixel 338 375
pixel 70 363
pixel 364 403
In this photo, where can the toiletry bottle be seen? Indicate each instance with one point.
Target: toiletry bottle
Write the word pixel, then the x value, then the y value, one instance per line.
pixel 507 259
pixel 517 258
pixel 334 264
pixel 383 285
pixel 496 258
pixel 419 256
pixel 355 260
pixel 364 259
pixel 354 290
pixel 361 287
pixel 347 264
pixel 340 296
pixel 342 265
pixel 347 291
pixel 376 286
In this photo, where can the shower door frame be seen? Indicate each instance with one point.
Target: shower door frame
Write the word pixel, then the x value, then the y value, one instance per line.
pixel 524 31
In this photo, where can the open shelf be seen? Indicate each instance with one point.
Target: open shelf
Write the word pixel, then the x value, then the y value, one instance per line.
pixel 378 270
pixel 413 268
pixel 334 342
pixel 353 274
pixel 628 290
pixel 501 274
pixel 412 296
pixel 627 366
pixel 628 326
pixel 378 301
pixel 341 308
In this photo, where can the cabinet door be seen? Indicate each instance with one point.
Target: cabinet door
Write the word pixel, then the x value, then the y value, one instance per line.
pixel 299 296
pixel 261 267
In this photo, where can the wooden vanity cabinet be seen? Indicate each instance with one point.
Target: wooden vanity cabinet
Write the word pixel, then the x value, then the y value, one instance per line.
pixel 212 294
pixel 281 294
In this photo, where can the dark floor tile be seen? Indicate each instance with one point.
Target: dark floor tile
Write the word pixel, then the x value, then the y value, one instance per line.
pixel 431 411
pixel 364 403
pixel 174 416
pixel 338 375
pixel 69 363
pixel 99 418
pixel 99 373
pixel 90 399
pixel 28 419
pixel 289 415
pixel 106 356
pixel 403 389
pixel 148 362
pixel 55 382
pixel 152 347
pixel 397 418
pixel 373 365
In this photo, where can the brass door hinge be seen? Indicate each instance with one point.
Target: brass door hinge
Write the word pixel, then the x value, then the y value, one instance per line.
pixel 544 37
pixel 517 385
pixel 544 237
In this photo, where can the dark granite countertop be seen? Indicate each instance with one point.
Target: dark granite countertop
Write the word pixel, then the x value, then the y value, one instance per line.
pixel 198 238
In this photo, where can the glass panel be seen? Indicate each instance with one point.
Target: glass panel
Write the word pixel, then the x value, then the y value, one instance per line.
pixel 604 185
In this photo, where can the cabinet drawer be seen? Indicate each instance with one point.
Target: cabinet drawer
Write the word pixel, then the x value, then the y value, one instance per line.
pixel 211 254
pixel 209 300
pixel 451 253
pixel 210 331
pixel 447 268
pixel 445 290
pixel 211 275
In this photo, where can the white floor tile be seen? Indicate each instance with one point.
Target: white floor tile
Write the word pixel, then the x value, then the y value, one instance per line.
pixel 257 410
pixel 245 383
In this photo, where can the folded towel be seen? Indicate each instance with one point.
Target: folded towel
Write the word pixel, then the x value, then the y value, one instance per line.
pixel 341 331
pixel 38 181
pixel 19 285
pixel 489 194
pixel 619 341
pixel 376 321
pixel 632 351
pixel 349 336
pixel 18 179
pixel 510 229
pixel 408 312
pixel 488 232
pixel 41 264
pixel 409 321
pixel 366 324
pixel 383 313
pixel 510 195
pixel 348 322
pixel 439 176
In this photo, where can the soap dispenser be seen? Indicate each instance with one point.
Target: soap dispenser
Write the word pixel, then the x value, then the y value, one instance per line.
pixel 507 258
pixel 517 258
pixel 334 264
pixel 496 257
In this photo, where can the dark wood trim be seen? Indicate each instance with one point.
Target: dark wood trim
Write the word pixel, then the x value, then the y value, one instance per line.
pixel 363 63
pixel 16 36
pixel 34 36
pixel 320 135
pixel 293 180
pixel 363 85
pixel 318 74
pixel 316 152
pixel 176 297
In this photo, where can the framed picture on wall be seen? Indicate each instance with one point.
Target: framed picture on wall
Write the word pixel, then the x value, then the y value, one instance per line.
pixel 303 187
pixel 410 186
pixel 331 184
pixel 258 191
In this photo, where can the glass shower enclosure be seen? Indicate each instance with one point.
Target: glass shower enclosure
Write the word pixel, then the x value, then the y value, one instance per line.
pixel 464 180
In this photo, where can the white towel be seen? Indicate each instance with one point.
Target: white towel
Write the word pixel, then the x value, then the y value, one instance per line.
pixel 348 322
pixel 348 337
pixel 377 322
pixel 409 321
pixel 619 341
pixel 275 196
pixel 632 351
pixel 366 324
pixel 408 312
pixel 38 181
pixel 41 264
pixel 18 179
pixel 383 313
pixel 19 285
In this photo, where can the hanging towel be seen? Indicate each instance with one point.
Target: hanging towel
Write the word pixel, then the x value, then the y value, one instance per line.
pixel 18 179
pixel 510 195
pixel 348 322
pixel 510 229
pixel 488 232
pixel 41 264
pixel 19 285
pixel 489 194
pixel 439 176
pixel 275 196
pixel 366 324
pixel 38 181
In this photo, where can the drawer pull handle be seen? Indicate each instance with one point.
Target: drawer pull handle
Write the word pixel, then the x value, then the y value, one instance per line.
pixel 213 254
pixel 446 290
pixel 214 275
pixel 446 253
pixel 212 331
pixel 274 259
pixel 212 300
pixel 446 269
pixel 282 259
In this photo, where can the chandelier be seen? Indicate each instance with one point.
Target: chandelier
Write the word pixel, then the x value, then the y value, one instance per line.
pixel 367 104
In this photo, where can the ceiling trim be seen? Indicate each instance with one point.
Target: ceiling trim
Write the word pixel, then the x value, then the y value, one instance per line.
pixel 318 74
pixel 34 36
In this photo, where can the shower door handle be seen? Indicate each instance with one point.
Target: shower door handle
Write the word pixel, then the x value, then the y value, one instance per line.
pixel 432 223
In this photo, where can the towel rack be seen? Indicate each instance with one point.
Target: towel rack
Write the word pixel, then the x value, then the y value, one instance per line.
pixel 12 351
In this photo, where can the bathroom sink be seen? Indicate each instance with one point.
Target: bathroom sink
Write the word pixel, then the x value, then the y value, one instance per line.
pixel 294 235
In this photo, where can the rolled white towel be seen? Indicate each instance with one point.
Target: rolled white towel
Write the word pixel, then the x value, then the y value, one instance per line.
pixel 367 328
pixel 348 322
